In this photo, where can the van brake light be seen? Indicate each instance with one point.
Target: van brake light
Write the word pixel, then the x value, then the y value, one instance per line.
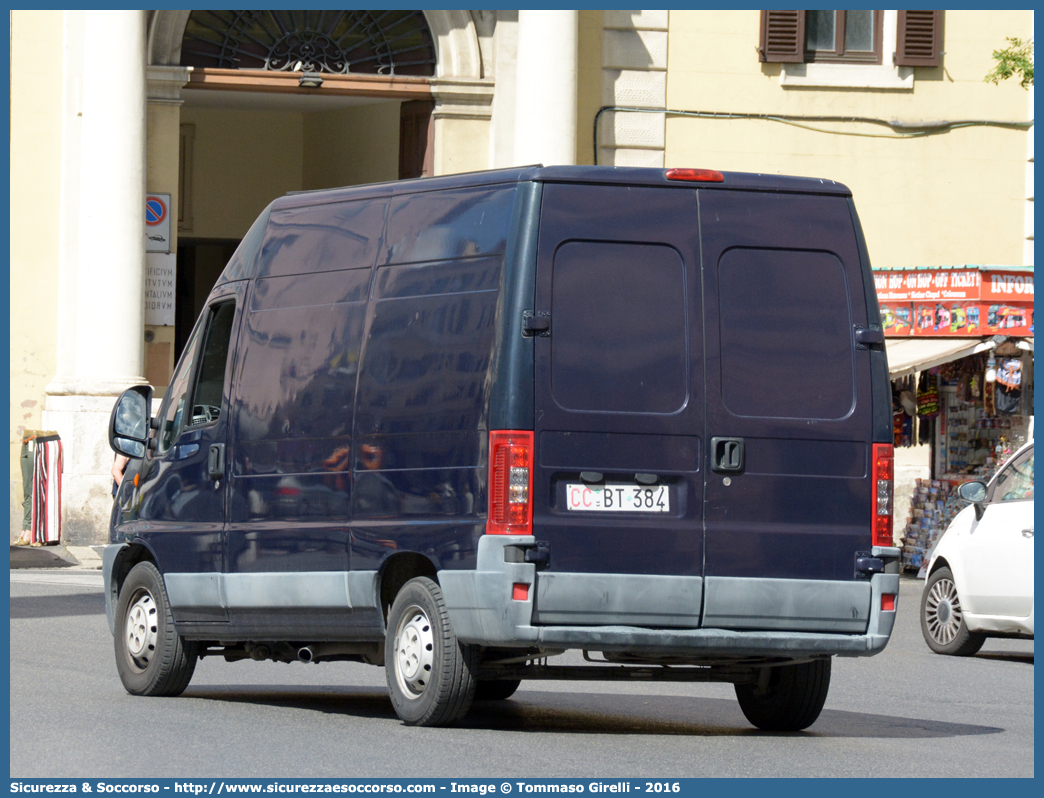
pixel 510 483
pixel 696 175
pixel 883 471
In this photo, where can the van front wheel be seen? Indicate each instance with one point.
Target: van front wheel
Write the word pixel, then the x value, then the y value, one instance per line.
pixel 787 697
pixel 151 657
pixel 430 674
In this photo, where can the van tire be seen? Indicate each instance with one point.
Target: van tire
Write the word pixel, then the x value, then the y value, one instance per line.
pixel 152 659
pixel 496 689
pixel 430 674
pixel 792 700
pixel 942 619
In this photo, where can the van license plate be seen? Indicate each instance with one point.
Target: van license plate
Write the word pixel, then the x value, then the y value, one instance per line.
pixel 618 498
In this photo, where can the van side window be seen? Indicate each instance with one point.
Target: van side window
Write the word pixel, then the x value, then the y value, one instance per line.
pixel 619 331
pixel 173 410
pixel 177 411
pixel 786 323
pixel 206 397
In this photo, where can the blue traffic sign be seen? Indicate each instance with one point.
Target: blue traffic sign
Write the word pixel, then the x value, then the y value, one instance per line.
pixel 155 211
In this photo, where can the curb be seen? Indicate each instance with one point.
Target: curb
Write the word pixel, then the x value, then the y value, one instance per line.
pixel 87 557
pixel 68 558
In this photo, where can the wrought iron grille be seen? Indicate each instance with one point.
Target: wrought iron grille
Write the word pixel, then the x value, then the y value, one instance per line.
pixel 359 42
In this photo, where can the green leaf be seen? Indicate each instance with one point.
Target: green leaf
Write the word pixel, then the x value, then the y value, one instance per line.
pixel 1015 60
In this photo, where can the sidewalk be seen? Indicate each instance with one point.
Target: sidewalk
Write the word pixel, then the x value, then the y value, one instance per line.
pixel 77 558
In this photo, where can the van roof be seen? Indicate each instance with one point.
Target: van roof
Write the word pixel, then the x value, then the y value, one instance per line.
pixel 613 175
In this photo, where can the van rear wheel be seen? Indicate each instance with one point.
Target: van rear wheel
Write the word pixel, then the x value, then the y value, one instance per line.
pixel 787 697
pixel 151 657
pixel 430 674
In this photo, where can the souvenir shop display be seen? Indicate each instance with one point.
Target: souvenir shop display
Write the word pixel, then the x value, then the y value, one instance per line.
pixel 974 435
pixel 972 409
pixel 933 506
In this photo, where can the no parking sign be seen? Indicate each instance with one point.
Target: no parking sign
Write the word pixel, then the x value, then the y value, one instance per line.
pixel 157 222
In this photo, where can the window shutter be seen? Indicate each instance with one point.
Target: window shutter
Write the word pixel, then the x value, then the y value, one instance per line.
pixel 920 39
pixel 782 37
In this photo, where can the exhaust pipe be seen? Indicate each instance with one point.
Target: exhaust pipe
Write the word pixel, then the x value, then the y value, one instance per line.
pixel 324 652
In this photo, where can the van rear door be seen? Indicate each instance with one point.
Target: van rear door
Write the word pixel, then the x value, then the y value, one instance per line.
pixel 618 488
pixel 789 501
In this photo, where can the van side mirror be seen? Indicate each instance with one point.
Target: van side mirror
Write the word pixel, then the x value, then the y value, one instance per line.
pixel 129 423
pixel 974 492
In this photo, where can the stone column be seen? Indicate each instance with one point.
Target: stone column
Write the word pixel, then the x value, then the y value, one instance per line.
pixel 100 350
pixel 545 109
pixel 112 203
pixel 462 93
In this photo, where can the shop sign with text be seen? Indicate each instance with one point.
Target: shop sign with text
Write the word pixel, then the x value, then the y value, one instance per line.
pixel 955 302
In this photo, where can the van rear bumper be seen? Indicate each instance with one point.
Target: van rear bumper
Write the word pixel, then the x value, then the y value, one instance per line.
pixel 483 612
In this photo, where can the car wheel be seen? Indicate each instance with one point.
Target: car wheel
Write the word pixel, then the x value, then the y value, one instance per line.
pixel 430 675
pixel 496 689
pixel 151 657
pixel 787 697
pixel 942 618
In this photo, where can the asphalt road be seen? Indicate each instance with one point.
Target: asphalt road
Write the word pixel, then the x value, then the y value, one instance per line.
pixel 905 712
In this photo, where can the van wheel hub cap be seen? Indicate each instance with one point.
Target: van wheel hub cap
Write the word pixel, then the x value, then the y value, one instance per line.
pixel 140 630
pixel 414 652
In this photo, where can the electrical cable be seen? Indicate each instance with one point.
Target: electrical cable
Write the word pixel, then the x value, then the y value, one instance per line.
pixel 920 129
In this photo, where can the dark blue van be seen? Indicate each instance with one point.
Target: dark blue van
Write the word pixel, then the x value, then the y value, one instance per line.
pixel 457 426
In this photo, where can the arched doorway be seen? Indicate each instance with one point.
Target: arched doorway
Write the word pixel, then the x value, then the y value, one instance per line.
pixel 389 42
pixel 280 101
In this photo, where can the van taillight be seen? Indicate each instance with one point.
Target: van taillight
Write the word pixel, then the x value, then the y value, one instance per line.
pixel 883 473
pixel 696 175
pixel 510 483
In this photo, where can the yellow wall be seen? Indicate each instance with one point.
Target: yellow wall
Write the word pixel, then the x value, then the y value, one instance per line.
pixel 461 145
pixel 242 161
pixel 35 190
pixel 955 197
pixel 161 177
pixel 352 145
pixel 589 83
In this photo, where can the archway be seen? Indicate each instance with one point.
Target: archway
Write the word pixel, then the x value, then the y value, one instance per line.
pixel 389 42
pixel 453 33
pixel 248 126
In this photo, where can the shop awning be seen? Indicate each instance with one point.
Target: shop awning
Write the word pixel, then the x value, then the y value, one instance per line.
pixel 907 355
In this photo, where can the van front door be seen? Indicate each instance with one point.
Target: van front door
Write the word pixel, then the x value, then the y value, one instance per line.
pixel 788 413
pixel 179 504
pixel 618 485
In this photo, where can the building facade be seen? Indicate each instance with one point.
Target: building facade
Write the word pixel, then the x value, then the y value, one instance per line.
pixel 211 115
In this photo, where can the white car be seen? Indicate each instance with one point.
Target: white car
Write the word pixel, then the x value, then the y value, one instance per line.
pixel 980 576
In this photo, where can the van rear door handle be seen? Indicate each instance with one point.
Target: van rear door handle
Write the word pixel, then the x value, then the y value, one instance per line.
pixel 869 338
pixel 1027 533
pixel 536 323
pixel 216 460
pixel 727 455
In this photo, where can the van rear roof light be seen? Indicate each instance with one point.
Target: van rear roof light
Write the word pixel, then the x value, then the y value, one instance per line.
pixel 696 175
